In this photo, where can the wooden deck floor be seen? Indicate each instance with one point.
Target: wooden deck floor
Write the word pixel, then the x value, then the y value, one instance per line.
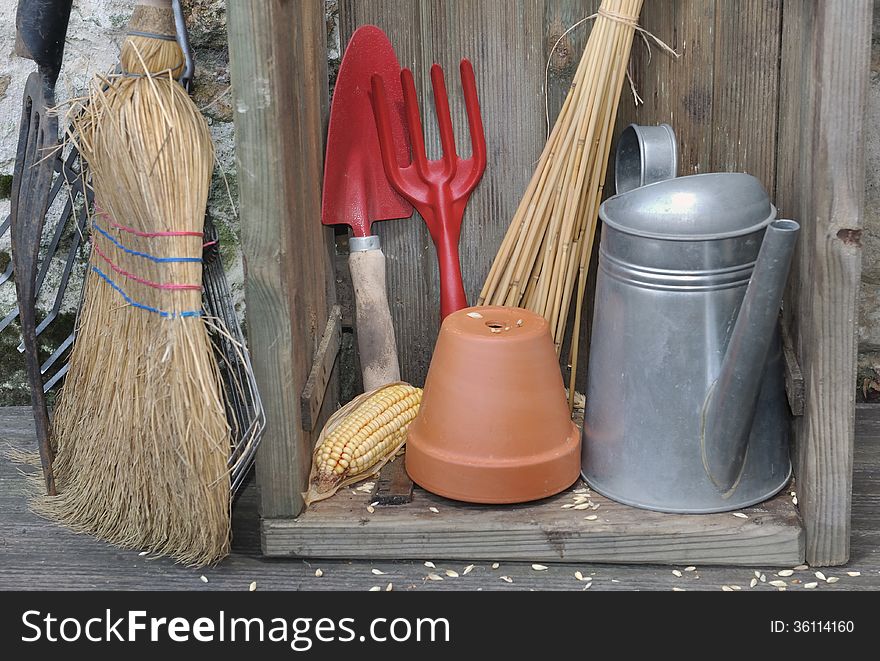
pixel 35 554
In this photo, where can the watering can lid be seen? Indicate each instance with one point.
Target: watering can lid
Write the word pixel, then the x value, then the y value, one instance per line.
pixel 696 207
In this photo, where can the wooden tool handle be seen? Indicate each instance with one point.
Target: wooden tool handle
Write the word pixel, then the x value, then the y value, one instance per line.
pixel 376 343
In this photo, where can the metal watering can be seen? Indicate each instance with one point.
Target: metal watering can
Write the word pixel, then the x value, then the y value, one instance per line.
pixel 686 408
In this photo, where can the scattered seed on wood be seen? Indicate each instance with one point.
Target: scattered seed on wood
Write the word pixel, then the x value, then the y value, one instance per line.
pixel 430 565
pixel 853 573
pixel 579 576
pixel 568 506
pixel 539 567
pixel 371 509
pixel 143 553
pixel 820 576
pixel 832 579
pixel 203 579
pixel 591 517
pixel 495 565
pixel 434 577
pixel 736 587
pixel 801 567
pixel 757 574
pixel 753 582
pixel 319 573
pixel 690 568
pixel 785 572
pixel 507 579
pixel 378 572
pixel 614 580
pixel 794 500
pixel 675 572
pixel 810 586
pixel 762 578
pixel 740 515
pixel 587 587
pixel 582 506
pixel 778 584
pixel 727 588
pixel 467 570
pixel 389 587
pixel 252 587
pixel 474 315
pixel 782 589
pixel 679 590
pixel 594 507
pixel 375 588
pixel 434 509
pixel 451 573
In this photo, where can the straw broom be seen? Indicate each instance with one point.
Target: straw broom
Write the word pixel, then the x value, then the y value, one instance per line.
pixel 140 428
pixel 545 254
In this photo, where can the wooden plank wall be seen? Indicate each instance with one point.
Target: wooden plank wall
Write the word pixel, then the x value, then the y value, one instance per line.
pixel 820 174
pixel 720 97
pixel 279 83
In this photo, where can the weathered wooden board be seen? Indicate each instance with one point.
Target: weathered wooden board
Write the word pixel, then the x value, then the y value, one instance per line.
pixel 278 69
pixel 506 43
pixel 36 554
pixel 341 527
pixel 820 182
pixel 720 97
pixel 312 397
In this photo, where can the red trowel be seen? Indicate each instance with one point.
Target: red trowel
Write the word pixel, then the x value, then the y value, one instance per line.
pixel 357 192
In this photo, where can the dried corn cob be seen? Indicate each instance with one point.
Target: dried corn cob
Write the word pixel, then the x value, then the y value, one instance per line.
pixel 361 437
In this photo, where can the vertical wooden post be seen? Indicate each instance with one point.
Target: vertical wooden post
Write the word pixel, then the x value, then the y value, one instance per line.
pixel 821 183
pixel 278 66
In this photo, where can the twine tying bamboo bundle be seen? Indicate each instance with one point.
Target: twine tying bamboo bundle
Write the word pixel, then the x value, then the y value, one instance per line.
pixel 140 429
pixel 546 250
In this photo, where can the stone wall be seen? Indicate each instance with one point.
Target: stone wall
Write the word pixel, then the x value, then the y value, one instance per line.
pixel 96 30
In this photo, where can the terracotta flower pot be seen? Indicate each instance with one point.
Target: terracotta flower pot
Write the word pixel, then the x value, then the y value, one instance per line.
pixel 494 425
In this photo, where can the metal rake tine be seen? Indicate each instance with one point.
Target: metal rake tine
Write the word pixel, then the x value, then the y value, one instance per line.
pixel 56 377
pixel 444 122
pixel 9 318
pixel 414 123
pixel 7 273
pixel 51 360
pixel 475 123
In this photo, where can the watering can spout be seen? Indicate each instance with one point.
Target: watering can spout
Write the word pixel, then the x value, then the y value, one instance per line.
pixel 730 404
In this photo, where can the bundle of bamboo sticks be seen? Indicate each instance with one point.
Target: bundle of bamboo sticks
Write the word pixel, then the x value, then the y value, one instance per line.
pixel 547 248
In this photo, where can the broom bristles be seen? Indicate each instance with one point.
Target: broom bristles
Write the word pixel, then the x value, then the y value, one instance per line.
pixel 140 426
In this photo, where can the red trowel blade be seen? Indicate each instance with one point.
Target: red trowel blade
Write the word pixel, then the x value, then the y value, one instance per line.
pixel 356 191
